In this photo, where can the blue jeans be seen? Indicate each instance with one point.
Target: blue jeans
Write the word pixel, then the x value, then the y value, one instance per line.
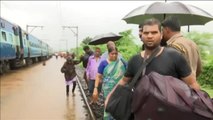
pixel 92 86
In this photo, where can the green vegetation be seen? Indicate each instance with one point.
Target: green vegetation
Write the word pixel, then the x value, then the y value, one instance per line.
pixel 208 90
pixel 205 42
pixel 125 45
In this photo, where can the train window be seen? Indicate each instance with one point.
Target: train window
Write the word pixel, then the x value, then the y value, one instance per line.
pixel 2 25
pixel 15 30
pixel 3 34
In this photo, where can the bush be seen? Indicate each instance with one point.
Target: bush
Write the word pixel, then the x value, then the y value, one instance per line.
pixel 206 78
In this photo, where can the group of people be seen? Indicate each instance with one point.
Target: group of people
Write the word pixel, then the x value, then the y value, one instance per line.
pixel 177 57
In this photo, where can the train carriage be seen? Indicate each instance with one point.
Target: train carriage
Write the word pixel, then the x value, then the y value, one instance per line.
pixel 18 48
pixel 8 44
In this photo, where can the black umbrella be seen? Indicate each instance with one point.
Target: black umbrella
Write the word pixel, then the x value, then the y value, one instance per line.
pixel 104 38
pixel 187 14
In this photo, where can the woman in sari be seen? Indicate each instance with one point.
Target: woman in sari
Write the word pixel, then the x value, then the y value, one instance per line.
pixel 110 71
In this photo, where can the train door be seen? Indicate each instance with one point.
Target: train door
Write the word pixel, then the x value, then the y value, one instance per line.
pixel 19 61
pixel 17 41
pixel 21 42
pixel 28 44
pixel 25 45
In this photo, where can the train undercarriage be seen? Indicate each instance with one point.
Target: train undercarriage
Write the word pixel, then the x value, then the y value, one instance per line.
pixel 6 65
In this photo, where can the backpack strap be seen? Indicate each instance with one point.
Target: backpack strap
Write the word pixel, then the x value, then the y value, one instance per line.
pixel 144 64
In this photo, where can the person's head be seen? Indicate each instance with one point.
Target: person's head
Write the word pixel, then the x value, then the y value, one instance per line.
pixel 73 55
pixel 69 59
pixel 140 35
pixel 86 49
pixel 171 25
pixel 140 31
pixel 151 33
pixel 110 44
pixel 113 53
pixel 97 52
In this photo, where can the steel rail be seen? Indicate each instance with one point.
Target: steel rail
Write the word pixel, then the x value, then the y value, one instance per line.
pixel 85 99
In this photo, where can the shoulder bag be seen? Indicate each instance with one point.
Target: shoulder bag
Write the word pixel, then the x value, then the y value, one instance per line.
pixel 119 104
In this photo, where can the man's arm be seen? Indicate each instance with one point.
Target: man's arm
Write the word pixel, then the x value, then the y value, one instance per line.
pixel 185 71
pixel 191 81
pixel 123 81
pixel 199 66
pixel 98 78
pixel 63 69
pixel 78 61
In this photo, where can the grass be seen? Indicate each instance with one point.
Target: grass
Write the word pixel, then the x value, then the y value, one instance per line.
pixel 208 90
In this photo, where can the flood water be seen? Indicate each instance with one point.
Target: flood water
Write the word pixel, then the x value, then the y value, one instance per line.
pixel 38 93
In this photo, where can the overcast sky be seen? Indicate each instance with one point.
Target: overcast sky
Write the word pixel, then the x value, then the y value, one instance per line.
pixel 92 18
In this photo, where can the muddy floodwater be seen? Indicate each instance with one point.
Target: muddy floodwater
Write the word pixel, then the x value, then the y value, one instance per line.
pixel 38 93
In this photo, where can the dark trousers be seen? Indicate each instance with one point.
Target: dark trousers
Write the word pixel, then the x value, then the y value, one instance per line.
pixel 68 88
pixel 91 86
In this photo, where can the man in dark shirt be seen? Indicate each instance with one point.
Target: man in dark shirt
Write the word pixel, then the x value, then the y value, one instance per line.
pixel 168 61
pixel 84 59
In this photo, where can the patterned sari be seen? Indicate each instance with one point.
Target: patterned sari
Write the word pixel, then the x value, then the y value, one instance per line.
pixel 113 72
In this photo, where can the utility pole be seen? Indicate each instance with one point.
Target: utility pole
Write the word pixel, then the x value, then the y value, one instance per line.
pixel 75 33
pixel 33 26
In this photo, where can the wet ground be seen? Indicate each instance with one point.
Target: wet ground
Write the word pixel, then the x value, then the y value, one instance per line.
pixel 38 93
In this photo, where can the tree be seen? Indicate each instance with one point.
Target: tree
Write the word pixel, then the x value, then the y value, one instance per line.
pixel 204 42
pixel 126 45
pixel 86 40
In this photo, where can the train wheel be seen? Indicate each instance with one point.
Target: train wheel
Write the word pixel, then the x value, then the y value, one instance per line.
pixel 5 67
pixel 28 61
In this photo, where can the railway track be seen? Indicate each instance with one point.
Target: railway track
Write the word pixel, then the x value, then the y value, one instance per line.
pixel 95 109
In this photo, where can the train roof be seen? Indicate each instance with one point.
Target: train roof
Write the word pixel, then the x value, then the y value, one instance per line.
pixel 16 25
pixel 9 21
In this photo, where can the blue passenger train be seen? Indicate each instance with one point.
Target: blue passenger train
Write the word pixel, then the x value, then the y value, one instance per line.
pixel 18 48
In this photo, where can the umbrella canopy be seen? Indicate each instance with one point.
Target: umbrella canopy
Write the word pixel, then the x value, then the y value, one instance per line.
pixel 187 14
pixel 104 38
